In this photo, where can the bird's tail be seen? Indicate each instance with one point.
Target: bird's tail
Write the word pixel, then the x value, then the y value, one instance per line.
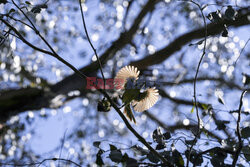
pixel 128 113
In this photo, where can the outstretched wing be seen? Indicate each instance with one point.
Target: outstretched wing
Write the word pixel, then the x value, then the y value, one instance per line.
pixel 146 100
pixel 124 74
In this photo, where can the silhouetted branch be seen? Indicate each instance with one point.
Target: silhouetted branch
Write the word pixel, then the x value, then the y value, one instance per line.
pixel 40 163
pixel 195 79
pixel 242 50
pixel 46 42
pixel 237 152
pixel 214 116
pixel 92 46
pixel 130 2
pixel 220 80
pixel 178 43
pixel 172 128
pixel 215 149
pixel 24 40
pixel 20 21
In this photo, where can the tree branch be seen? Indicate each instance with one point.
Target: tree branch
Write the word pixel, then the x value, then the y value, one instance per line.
pixel 212 29
pixel 216 149
pixel 40 163
pixel 92 46
pixel 237 152
pixel 178 126
pixel 195 79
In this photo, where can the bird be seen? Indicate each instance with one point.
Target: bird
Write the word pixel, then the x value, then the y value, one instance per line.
pixel 135 95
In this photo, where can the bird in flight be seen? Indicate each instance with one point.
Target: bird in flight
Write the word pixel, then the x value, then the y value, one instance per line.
pixel 135 94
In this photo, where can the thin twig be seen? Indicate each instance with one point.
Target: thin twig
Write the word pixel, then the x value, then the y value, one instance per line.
pixel 40 163
pixel 130 2
pixel 199 64
pixel 34 28
pixel 237 153
pixel 24 40
pixel 195 80
pixel 13 18
pixel 215 149
pixel 11 34
pixel 46 42
pixel 179 126
pixel 92 46
pixel 242 51
pixel 63 140
pixel 53 53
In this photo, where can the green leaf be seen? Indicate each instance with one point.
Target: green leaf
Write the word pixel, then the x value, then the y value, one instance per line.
pixel 160 146
pixel 158 136
pixel 166 154
pixel 245 132
pixel 112 147
pixel 194 158
pixel 204 106
pixel 230 13
pixel 80 134
pixel 215 17
pixel 115 155
pixel 131 162
pixel 218 158
pixel 151 157
pixel 3 1
pixel 220 124
pixel 167 135
pixel 246 79
pixel 221 100
pixel 100 152
pixel 11 10
pixel 192 110
pixel 178 160
pixel 97 144
pixel 99 160
pixel 27 2
pixel 246 152
pixel 189 142
pixel 125 157
pixel 139 150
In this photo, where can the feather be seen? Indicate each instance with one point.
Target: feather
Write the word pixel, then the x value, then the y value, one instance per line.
pixel 151 96
pixel 124 74
pixel 128 113
pixel 126 80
